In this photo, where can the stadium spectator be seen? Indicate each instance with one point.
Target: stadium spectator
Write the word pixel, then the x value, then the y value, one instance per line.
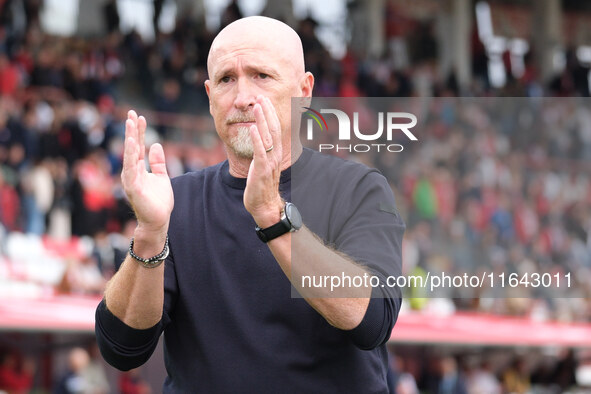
pixel 16 373
pixel 516 378
pixel 452 380
pixel 564 372
pixel 481 379
pixel 111 16
pixel 92 175
pixel 95 373
pixel 73 380
pixel 405 380
pixel 9 76
pixel 131 382
pixel 37 195
pixel 82 276
pixel 230 14
pixel 9 205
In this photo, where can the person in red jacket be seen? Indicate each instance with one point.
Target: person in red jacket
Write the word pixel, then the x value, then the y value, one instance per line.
pixel 16 376
pixel 131 382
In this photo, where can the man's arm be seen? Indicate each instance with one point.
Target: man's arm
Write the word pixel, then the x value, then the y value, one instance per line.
pixel 347 307
pixel 135 294
pixel 367 313
pixel 343 308
pixel 364 250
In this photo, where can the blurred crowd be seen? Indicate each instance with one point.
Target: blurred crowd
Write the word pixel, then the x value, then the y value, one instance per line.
pixel 505 184
pixel 474 372
pixel 83 372
pixel 501 186
pixel 496 186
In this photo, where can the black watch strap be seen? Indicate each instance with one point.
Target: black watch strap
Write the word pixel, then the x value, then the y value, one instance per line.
pixel 290 221
pixel 273 231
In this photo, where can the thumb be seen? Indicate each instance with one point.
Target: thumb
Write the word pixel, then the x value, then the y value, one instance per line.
pixel 157 160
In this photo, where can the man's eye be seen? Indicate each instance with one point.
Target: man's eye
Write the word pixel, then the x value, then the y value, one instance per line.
pixel 263 76
pixel 225 79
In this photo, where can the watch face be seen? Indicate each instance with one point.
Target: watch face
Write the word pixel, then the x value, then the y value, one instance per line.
pixel 293 215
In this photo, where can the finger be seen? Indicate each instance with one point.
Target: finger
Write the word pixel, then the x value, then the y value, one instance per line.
pixel 130 142
pixel 262 124
pixel 130 159
pixel 131 114
pixel 141 126
pixel 257 144
pixel 157 160
pixel 273 124
pixel 131 125
pixel 134 118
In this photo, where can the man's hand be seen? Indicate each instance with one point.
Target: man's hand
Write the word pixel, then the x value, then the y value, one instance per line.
pixel 261 196
pixel 150 194
pixel 136 294
pixel 262 200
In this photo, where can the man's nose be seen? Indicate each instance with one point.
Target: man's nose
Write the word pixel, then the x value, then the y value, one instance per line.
pixel 245 95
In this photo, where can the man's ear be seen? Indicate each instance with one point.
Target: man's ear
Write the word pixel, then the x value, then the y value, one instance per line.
pixel 306 87
pixel 207 90
pixel 307 84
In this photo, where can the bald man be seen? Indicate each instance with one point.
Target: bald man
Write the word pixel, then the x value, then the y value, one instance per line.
pixel 234 243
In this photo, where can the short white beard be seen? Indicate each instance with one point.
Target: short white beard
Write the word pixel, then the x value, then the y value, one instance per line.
pixel 241 144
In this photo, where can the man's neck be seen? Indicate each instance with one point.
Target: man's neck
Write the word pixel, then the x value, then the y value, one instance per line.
pixel 239 166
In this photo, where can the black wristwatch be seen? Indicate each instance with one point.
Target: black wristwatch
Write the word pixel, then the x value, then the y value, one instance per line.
pixel 291 221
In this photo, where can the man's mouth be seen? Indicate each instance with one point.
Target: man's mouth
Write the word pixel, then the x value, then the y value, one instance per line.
pixel 247 123
pixel 241 119
pixel 242 124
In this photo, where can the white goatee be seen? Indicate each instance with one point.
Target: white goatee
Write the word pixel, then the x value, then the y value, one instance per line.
pixel 241 144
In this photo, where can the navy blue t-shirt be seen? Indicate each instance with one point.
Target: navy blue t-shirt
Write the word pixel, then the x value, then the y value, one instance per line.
pixel 230 322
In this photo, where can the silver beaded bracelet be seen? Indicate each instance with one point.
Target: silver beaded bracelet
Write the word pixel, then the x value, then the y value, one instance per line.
pixel 152 262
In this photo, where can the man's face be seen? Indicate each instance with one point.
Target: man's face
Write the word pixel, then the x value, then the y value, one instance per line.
pixel 238 73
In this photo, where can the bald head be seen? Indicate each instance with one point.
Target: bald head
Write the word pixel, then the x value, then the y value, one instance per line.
pixel 262 33
pixel 252 58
